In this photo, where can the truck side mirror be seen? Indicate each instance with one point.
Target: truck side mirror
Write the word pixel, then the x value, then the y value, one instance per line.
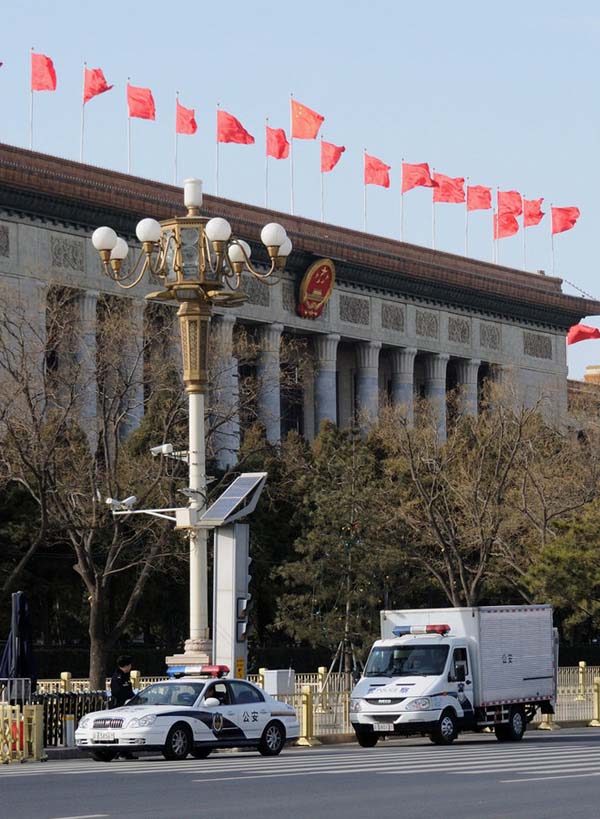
pixel 459 674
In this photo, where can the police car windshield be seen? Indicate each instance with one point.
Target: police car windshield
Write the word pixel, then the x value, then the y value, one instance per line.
pixel 406 661
pixel 168 694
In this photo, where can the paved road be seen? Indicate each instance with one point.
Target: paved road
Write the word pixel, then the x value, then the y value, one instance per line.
pixel 545 776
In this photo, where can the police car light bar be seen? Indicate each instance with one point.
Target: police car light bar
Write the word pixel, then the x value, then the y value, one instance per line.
pixel 400 631
pixel 197 671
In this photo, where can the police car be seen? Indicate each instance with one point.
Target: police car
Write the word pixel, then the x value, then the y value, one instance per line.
pixel 190 715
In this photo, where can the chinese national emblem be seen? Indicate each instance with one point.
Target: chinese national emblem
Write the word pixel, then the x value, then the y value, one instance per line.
pixel 316 288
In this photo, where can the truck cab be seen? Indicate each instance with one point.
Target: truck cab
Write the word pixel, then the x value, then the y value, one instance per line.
pixel 408 684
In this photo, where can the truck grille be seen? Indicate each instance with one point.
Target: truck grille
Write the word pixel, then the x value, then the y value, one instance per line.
pixel 386 700
pixel 109 722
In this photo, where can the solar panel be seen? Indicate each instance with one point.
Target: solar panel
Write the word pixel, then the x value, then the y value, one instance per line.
pixel 237 500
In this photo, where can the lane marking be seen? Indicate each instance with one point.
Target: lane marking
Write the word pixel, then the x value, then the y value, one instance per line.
pixel 544 778
pixel 87 816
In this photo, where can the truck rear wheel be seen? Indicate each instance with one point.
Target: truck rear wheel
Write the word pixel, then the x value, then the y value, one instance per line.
pixel 446 731
pixel 366 739
pixel 513 730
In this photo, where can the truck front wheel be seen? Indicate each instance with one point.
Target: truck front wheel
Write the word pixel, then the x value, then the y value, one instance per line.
pixel 513 730
pixel 366 739
pixel 446 732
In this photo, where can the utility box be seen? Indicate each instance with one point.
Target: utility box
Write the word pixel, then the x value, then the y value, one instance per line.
pixel 231 598
pixel 280 682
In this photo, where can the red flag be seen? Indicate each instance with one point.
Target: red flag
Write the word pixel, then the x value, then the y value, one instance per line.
pixel 277 145
pixel 230 129
pixel 305 121
pixel 510 202
pixel 376 172
pixel 94 83
pixel 140 102
pixel 43 75
pixel 505 224
pixel 416 176
pixel 564 218
pixel 185 120
pixel 532 212
pixel 582 332
pixel 479 197
pixel 448 189
pixel 330 155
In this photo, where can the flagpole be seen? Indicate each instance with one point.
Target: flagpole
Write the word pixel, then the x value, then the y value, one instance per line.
pixel 322 187
pixel 551 238
pixel 467 220
pixel 266 166
pixel 432 214
pixel 401 201
pixel 497 228
pixel 364 192
pixel 291 158
pixel 175 152
pixel 217 155
pixel 524 233
pixel 31 107
pixel 128 135
pixel 82 115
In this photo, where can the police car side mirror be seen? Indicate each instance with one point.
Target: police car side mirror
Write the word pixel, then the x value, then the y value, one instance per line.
pixel 212 702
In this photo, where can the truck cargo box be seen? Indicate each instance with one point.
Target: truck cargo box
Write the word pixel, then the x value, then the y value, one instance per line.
pixel 512 648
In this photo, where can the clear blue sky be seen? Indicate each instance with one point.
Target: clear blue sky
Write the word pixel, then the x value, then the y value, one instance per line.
pixel 503 93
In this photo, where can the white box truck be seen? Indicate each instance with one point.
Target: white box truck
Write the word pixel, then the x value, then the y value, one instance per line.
pixel 437 672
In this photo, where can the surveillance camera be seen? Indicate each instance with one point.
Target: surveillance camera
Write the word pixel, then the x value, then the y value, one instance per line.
pixel 162 449
pixel 129 502
pixel 194 494
pixel 110 501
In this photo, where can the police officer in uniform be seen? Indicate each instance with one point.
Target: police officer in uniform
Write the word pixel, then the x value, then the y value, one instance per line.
pixel 120 683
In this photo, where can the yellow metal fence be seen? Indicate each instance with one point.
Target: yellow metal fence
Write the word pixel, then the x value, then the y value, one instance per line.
pixel 322 700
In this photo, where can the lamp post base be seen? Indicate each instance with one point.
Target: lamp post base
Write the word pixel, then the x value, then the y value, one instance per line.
pixel 195 652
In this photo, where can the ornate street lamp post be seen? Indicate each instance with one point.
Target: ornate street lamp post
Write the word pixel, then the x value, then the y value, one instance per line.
pixel 200 265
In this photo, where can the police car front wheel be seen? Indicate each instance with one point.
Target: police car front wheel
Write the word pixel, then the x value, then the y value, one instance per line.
pixel 272 740
pixel 179 742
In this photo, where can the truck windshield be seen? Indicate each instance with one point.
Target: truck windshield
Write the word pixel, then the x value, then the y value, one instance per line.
pixel 406 661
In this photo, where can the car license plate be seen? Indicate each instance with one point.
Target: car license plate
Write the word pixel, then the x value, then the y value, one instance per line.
pixel 384 727
pixel 103 736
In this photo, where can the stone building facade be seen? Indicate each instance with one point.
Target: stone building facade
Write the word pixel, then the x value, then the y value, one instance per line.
pixel 402 320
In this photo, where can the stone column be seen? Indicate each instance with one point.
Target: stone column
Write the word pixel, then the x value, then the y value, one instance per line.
pixel 403 380
pixel 435 389
pixel 268 375
pixel 466 371
pixel 367 381
pixel 86 360
pixel 32 306
pixel 225 393
pixel 134 362
pixel 325 348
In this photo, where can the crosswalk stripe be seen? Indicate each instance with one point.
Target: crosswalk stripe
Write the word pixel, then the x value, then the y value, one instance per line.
pixel 528 757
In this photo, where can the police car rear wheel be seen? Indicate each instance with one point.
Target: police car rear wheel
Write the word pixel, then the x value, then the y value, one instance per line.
pixel 272 740
pixel 178 743
pixel 445 733
pixel 200 753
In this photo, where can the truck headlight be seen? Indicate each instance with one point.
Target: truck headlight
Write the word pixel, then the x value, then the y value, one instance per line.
pixel 142 722
pixel 419 704
pixel 356 705
pixel 84 722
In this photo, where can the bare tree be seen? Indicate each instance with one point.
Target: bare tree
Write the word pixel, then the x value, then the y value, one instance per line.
pixel 456 497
